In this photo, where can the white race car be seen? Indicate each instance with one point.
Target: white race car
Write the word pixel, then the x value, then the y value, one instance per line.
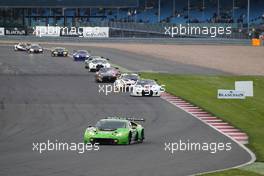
pixel 147 87
pixel 90 59
pixel 97 64
pixel 35 48
pixel 22 47
pixel 126 81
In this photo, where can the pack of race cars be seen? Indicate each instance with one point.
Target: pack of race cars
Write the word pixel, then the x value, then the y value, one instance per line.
pixel 30 48
pixel 110 130
pixel 123 82
pixel 104 72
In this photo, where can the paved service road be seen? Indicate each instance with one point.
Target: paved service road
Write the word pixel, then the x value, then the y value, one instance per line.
pixel 44 98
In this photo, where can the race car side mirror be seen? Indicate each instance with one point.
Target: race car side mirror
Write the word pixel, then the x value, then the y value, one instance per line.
pixel 116 68
pixel 107 59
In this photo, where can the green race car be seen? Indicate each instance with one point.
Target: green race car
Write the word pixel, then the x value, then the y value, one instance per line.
pixel 115 130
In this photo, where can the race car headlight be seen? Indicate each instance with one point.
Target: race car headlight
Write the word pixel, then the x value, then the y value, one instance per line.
pixel 40 49
pixel 92 133
pixel 107 65
pixel 138 88
pixel 65 52
pixel 31 49
pixel 55 52
pixel 119 134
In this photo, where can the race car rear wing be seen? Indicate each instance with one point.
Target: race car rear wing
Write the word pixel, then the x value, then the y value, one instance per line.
pixel 128 118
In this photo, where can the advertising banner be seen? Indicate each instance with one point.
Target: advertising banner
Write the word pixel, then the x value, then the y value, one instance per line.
pixel 96 32
pixel 230 94
pixel 2 31
pixel 71 31
pixel 15 31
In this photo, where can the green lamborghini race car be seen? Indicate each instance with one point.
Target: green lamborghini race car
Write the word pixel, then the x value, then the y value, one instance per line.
pixel 115 130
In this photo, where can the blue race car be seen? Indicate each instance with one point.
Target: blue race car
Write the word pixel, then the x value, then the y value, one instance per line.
pixel 81 55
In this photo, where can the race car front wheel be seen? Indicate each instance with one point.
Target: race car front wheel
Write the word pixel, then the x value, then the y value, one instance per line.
pixel 129 139
pixel 142 137
pixel 136 137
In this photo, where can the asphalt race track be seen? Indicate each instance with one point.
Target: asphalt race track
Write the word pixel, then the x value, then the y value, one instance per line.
pixel 141 63
pixel 44 98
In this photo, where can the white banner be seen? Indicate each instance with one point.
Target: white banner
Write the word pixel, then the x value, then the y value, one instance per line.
pixel 96 32
pixel 230 94
pixel 2 31
pixel 245 86
pixel 47 31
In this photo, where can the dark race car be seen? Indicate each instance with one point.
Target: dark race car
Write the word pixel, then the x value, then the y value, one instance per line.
pixel 107 75
pixel 21 47
pixel 81 55
pixel 35 48
pixel 59 52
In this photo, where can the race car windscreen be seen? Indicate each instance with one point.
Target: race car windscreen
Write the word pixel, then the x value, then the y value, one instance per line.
pixel 146 82
pixel 35 47
pixel 130 77
pixel 22 45
pixel 99 61
pixel 110 125
pixel 82 52
pixel 59 49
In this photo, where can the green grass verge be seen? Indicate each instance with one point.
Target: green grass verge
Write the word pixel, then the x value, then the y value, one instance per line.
pixel 234 172
pixel 255 167
pixel 247 115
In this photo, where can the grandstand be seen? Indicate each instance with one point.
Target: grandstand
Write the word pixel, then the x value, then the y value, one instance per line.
pixel 140 15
